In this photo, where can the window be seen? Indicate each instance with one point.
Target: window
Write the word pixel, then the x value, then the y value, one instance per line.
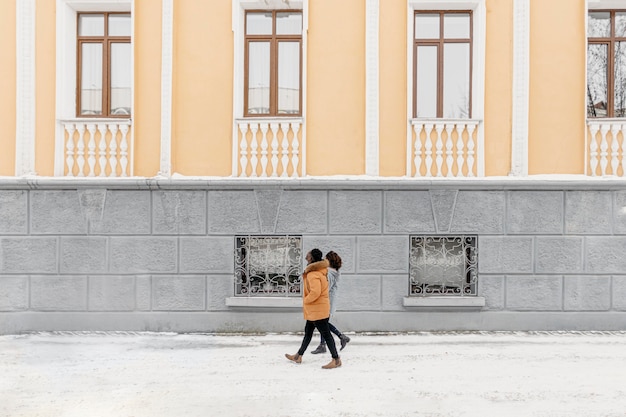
pixel 104 69
pixel 442 64
pixel 268 266
pixel 443 265
pixel 606 63
pixel 273 62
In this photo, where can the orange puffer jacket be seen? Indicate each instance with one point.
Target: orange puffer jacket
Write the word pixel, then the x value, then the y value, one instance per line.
pixel 315 304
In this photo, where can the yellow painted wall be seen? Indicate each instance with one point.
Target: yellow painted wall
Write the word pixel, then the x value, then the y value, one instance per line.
pixel 557 87
pixel 392 88
pixel 336 88
pixel 45 82
pixel 7 88
pixel 498 87
pixel 203 88
pixel 147 98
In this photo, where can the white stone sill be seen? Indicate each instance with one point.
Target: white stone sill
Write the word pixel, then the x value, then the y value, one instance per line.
pixel 444 302
pixel 265 302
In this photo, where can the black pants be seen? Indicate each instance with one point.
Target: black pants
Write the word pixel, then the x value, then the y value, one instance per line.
pixel 332 329
pixel 322 327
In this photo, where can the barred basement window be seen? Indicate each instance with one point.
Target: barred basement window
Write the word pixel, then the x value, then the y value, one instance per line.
pixel 443 265
pixel 268 266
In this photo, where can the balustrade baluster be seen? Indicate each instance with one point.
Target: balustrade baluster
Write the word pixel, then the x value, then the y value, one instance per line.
pixel 69 160
pixel 102 149
pixel 593 148
pixel 284 127
pixel 264 145
pixel 460 149
pixel 428 146
pixel 113 149
pixel 254 149
pixel 81 149
pixel 449 158
pixel 620 152
pixel 124 149
pixel 438 149
pixel 417 149
pixel 604 145
pixel 470 149
pixel 274 129
pixel 615 128
pixel 243 149
pixel 295 160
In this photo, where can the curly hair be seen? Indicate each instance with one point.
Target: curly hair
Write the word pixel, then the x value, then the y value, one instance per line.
pixel 316 255
pixel 334 260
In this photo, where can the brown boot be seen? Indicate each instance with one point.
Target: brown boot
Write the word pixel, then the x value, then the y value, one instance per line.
pixel 294 358
pixel 334 363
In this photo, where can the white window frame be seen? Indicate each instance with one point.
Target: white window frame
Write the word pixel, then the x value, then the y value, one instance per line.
pixel 66 14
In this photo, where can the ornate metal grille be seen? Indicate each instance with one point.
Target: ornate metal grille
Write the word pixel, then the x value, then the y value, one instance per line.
pixel 443 265
pixel 268 266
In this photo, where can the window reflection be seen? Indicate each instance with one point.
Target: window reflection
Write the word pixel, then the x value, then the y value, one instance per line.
pixel 91 79
pixel 426 26
pixel 259 77
pixel 599 25
pixel 288 77
pixel 426 81
pixel 597 72
pixel 120 79
pixel 456 25
pixel 288 23
pixel 259 23
pixel 91 25
pixel 619 76
pixel 119 25
pixel 456 69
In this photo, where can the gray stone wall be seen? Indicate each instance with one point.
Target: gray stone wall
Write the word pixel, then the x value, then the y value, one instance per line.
pixel 158 255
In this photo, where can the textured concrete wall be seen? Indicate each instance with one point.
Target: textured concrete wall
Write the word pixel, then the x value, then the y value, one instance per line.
pixel 89 255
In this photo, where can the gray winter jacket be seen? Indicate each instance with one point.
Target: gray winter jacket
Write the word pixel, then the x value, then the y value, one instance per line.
pixel 333 285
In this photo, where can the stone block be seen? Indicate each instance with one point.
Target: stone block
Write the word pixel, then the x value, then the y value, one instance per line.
pixel 619 292
pixel 605 254
pixel 587 293
pixel 505 254
pixel 233 212
pixel 29 255
pixel 13 212
pixel 359 293
pixel 111 293
pixel 125 213
pixel 383 254
pixel 619 212
pixel 408 212
pixel 58 293
pixel 302 212
pixel 143 255
pixel 83 255
pixel 395 288
pixel 179 212
pixel 559 255
pixel 588 212
pixel 207 255
pixel 13 293
pixel 355 212
pixel 342 245
pixel 56 212
pixel 479 212
pixel 491 287
pixel 219 288
pixel 443 202
pixel 143 292
pixel 534 293
pixel 532 212
pixel 179 293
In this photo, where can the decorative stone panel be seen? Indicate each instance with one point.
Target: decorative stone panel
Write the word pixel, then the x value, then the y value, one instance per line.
pixel 534 292
pixel 355 212
pixel 605 255
pixel 588 212
pixel 268 203
pixel 125 213
pixel 383 254
pixel 443 202
pixel 179 293
pixel 344 246
pixel 58 293
pixel 143 255
pixel 302 212
pixel 207 255
pixel 56 212
pixel 535 212
pixel 29 255
pixel 505 255
pixel 13 212
pixel 13 293
pixel 491 287
pixel 83 255
pixel 479 212
pixel 111 293
pixel 587 293
pixel 179 212
pixel 559 255
pixel 408 211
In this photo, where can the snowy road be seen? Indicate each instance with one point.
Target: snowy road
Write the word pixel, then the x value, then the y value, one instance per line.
pixel 465 374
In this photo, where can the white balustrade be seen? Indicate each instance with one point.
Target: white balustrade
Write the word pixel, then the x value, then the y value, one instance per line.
pixel 605 147
pixel 269 148
pixel 448 138
pixel 104 144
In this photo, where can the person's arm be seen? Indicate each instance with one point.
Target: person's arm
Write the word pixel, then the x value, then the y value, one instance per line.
pixel 315 288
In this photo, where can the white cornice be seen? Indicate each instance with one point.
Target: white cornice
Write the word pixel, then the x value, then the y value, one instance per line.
pixel 521 70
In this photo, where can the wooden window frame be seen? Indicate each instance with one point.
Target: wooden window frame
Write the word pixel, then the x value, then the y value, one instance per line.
pixel 106 42
pixel 439 43
pixel 274 40
pixel 610 78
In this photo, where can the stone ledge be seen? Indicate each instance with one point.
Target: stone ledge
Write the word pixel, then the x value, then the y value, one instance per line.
pixel 444 302
pixel 264 302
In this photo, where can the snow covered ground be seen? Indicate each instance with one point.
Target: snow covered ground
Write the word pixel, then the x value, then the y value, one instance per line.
pixel 423 374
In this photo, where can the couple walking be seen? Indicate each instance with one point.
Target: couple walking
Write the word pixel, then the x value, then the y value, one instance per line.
pixel 320 279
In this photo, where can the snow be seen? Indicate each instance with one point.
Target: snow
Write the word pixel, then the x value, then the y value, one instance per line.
pixel 418 374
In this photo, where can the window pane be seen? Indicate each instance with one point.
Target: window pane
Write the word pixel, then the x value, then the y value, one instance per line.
pixel 620 25
pixel 91 25
pixel 456 25
pixel 119 25
pixel 289 77
pixel 91 79
pixel 599 25
pixel 597 70
pixel 259 77
pixel 426 26
pixel 120 78
pixel 288 23
pixel 456 82
pixel 426 83
pixel 259 23
pixel 620 79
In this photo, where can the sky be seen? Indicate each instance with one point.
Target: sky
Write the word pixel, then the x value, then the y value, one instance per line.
pixel 419 374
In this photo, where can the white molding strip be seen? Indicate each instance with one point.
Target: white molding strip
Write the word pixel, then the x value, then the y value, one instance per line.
pixel 521 70
pixel 166 87
pixel 372 12
pixel 25 83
